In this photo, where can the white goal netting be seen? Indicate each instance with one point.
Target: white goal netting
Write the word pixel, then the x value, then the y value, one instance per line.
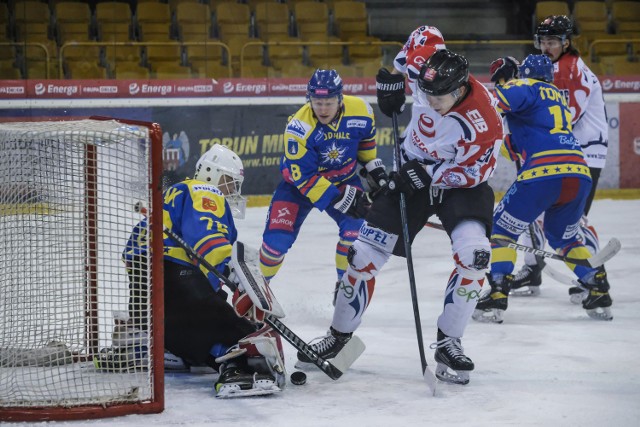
pixel 67 192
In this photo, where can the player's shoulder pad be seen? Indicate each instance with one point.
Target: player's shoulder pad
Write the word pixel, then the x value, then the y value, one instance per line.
pixel 206 197
pixel 300 124
pixel 356 106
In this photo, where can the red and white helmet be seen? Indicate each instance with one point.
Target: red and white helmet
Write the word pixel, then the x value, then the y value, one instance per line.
pixel 423 42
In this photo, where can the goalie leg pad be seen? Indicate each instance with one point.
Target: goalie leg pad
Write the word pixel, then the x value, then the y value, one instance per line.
pixel 265 354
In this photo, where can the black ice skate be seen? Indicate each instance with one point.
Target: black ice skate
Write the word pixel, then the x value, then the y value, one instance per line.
pixel 527 281
pixel 235 382
pixel 122 359
pixel 453 366
pixel 595 296
pixel 491 307
pixel 329 346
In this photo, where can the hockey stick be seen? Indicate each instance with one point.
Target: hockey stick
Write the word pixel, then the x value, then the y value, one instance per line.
pixel 325 366
pixel 596 260
pixel 428 376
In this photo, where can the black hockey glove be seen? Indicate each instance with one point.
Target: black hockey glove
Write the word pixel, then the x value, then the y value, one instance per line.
pixel 412 177
pixel 390 91
pixel 504 69
pixel 353 202
pixel 375 175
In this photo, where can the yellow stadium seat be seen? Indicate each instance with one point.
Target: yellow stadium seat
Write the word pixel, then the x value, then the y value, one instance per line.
pixel 10 73
pixel 291 50
pixel 324 52
pixel 609 45
pixel 547 8
pixel 351 19
pixel 160 55
pixel 210 69
pixel 625 16
pixel 233 19
pixel 619 65
pixel 590 17
pixel 73 22
pixel 115 54
pixel 85 70
pixel 369 69
pixel 114 21
pixel 272 19
pixel 364 49
pixel 194 21
pixel 130 70
pixel 173 4
pixel 312 19
pixel 173 71
pixel 153 21
pixel 294 68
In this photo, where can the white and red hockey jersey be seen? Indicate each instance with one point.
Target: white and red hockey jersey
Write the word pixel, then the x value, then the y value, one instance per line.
pixel 421 44
pixel 583 91
pixel 460 148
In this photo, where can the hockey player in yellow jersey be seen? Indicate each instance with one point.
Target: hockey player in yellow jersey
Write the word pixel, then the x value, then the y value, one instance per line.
pixel 325 141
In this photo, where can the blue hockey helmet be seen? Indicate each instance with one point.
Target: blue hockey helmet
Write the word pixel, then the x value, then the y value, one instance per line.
pixel 537 67
pixel 325 84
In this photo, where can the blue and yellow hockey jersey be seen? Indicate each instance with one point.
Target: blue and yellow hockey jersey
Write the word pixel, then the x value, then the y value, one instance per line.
pixel 199 213
pixel 539 123
pixel 318 158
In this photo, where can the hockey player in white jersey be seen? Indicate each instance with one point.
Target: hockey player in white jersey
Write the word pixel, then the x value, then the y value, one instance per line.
pixel 449 151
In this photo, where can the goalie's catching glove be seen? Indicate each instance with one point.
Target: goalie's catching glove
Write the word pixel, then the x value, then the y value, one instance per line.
pixel 353 202
pixel 390 92
pixel 412 177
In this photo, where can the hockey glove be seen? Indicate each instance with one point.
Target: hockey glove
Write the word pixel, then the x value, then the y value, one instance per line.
pixel 412 177
pixel 375 174
pixel 504 69
pixel 353 202
pixel 390 91
pixel 244 307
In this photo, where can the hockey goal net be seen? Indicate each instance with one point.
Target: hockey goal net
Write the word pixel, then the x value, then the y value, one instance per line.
pixel 67 196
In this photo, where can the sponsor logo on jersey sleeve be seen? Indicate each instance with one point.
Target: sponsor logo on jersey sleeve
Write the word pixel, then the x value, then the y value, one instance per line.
pixel 283 216
pixel 353 123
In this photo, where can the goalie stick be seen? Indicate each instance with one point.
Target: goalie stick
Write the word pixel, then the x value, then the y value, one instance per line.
pixel 347 355
pixel 596 260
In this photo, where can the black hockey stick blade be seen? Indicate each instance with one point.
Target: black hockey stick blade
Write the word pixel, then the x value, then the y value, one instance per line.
pixel 324 365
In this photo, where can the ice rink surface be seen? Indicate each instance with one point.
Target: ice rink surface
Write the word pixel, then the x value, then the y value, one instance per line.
pixel 547 364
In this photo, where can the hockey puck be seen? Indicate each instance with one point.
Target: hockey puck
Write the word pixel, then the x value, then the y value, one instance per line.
pixel 298 378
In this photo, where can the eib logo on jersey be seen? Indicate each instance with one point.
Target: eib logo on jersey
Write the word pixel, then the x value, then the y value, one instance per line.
pixel 478 121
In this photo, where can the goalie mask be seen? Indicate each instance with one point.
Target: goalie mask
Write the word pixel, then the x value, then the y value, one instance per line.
pixel 223 168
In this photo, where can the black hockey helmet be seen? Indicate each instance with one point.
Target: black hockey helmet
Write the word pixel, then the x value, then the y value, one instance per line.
pixel 444 72
pixel 559 26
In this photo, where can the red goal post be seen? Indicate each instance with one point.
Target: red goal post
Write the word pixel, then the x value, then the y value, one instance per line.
pixel 67 195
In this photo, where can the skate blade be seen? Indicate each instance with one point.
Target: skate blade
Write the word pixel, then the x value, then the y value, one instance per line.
pixel 493 315
pixel 449 376
pixel 600 313
pixel 578 298
pixel 526 291
pixel 260 388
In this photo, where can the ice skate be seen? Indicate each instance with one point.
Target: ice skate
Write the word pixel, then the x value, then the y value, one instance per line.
pixel 597 300
pixel 327 348
pixel 491 308
pixel 129 351
pixel 453 366
pixel 122 359
pixel 235 382
pixel 527 281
